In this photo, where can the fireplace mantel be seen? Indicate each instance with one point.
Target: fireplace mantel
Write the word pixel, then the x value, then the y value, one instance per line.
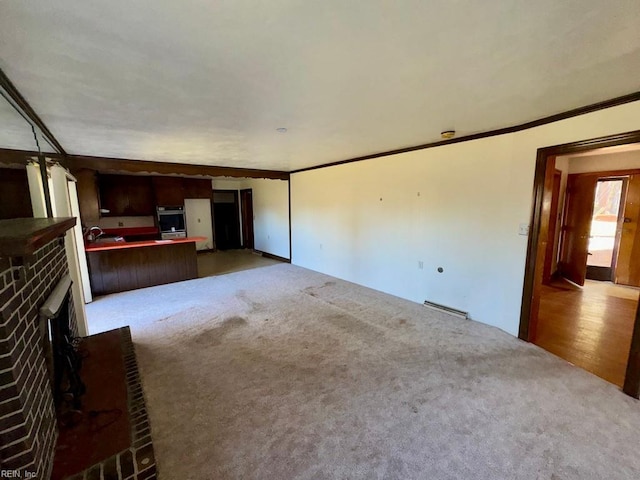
pixel 20 237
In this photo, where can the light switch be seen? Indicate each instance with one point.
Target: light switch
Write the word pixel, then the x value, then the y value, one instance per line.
pixel 523 229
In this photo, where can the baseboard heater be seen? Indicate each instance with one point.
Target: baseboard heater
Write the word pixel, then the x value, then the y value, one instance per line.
pixel 444 308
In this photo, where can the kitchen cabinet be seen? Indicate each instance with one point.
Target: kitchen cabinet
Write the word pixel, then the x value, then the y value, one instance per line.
pixel 88 197
pixel 197 188
pixel 126 195
pixel 171 191
pixel 168 191
pixel 15 201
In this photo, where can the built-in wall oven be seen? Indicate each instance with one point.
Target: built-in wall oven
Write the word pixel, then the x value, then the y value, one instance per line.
pixel 171 222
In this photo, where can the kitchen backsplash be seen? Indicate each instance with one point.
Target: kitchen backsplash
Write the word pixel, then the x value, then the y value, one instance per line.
pixel 128 222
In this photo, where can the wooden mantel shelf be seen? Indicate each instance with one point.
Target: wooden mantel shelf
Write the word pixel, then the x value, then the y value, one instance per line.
pixel 20 237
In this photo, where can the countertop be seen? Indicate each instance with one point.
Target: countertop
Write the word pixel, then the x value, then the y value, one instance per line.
pixel 101 247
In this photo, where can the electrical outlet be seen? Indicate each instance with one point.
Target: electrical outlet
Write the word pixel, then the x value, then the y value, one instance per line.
pixel 421 265
pixel 121 224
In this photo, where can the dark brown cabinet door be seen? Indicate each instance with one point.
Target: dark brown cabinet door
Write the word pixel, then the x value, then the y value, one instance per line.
pixel 581 190
pixel 197 188
pixel 88 197
pixel 15 201
pixel 140 192
pixel 126 195
pixel 168 191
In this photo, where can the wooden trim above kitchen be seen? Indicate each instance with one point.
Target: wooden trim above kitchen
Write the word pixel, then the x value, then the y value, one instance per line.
pixel 121 165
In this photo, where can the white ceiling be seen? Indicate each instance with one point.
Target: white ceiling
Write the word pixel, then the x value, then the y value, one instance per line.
pixel 208 82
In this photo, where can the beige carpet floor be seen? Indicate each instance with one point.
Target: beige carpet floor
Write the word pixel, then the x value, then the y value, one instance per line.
pixel 228 261
pixel 283 373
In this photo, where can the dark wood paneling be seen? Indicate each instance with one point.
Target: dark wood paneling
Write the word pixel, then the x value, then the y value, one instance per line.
pixel 112 271
pixel 15 201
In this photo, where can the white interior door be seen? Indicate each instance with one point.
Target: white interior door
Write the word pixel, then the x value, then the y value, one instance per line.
pixel 198 216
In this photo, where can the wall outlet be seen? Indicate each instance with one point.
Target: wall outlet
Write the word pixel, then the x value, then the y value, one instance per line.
pixel 523 229
pixel 121 224
pixel 421 265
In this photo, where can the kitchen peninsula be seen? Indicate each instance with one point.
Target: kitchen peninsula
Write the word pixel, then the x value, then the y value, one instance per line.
pixel 120 266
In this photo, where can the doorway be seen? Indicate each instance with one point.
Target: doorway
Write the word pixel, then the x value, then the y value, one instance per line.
pixel 605 231
pixel 226 216
pixel 575 245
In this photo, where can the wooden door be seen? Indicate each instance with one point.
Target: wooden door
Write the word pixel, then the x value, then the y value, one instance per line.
pixel 553 222
pixel 246 200
pixel 575 240
pixel 628 264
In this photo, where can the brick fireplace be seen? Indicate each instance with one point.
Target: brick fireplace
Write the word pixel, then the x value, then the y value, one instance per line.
pixel 32 261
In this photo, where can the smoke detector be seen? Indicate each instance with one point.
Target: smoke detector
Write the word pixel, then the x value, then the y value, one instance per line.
pixel 448 134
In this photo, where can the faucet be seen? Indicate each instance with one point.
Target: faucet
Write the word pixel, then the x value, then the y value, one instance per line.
pixel 91 236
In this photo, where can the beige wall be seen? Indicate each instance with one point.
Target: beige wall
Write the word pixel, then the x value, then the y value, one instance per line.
pixel 457 206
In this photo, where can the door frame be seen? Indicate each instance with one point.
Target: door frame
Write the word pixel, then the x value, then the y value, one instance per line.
pixel 246 213
pixel 527 326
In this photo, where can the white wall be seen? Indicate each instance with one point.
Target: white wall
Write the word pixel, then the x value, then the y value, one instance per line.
pixel 605 162
pixel 198 218
pixel 457 206
pixel 270 215
pixel 127 222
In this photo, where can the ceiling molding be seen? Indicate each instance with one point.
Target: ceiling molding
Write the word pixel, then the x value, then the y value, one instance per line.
pixel 120 165
pixel 22 103
pixel 104 164
pixel 632 97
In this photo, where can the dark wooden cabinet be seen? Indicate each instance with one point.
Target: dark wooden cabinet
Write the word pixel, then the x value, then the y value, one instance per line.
pixel 15 201
pixel 168 191
pixel 126 195
pixel 88 198
pixel 197 188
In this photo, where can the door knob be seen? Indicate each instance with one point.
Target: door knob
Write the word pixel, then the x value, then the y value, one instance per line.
pixel 627 220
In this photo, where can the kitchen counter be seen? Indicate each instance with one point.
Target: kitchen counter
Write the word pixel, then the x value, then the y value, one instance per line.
pixel 102 246
pixel 120 266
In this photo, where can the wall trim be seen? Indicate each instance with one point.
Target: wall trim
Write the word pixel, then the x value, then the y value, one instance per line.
pixel 594 107
pixel 272 256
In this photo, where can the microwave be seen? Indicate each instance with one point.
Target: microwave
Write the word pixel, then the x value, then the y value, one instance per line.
pixel 171 219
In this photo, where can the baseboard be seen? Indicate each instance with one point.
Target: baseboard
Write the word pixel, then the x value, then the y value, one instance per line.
pixel 206 250
pixel 272 256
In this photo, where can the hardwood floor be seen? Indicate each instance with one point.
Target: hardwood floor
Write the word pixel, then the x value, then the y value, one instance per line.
pixel 590 327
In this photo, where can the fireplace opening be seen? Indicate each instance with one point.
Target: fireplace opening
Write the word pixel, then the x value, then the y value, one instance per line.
pixel 60 348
